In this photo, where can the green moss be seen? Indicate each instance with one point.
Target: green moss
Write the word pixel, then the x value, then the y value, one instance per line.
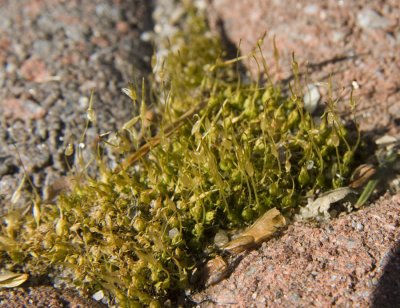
pixel 138 231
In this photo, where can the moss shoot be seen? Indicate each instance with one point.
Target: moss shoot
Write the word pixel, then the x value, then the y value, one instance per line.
pixel 222 154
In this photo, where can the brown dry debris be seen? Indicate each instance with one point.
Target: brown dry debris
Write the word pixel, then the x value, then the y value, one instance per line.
pixel 351 261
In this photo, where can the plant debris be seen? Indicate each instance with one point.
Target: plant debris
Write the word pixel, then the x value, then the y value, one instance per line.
pixel 319 208
pixel 224 152
pixel 263 228
pixel 12 280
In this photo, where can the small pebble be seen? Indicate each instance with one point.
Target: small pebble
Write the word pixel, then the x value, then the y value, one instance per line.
pixel 359 227
pixel 173 232
pixel 147 36
pixel 355 85
pixel 221 238
pixel 98 296
pixel 311 98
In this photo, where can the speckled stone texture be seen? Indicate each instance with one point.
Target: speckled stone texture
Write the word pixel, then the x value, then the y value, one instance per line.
pixel 44 296
pixel 53 52
pixel 52 55
pixel 350 40
pixel 353 261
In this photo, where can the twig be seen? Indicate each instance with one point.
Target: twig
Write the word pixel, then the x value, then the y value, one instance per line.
pixel 153 142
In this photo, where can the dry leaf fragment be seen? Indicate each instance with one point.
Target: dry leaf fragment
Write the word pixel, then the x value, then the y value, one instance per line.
pixel 214 271
pixel 261 230
pixel 386 140
pixel 266 225
pixel 12 280
pixel 319 208
pixel 218 268
pixel 361 175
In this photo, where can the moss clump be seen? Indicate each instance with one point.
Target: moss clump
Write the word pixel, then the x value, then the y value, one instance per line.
pixel 138 232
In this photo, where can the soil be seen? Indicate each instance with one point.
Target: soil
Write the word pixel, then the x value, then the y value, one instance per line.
pixel 54 52
pixel 353 260
pixel 354 42
pixel 45 296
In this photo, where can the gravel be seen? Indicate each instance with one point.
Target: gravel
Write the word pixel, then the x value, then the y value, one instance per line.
pixel 353 42
pixel 352 260
pixel 312 265
pixel 53 54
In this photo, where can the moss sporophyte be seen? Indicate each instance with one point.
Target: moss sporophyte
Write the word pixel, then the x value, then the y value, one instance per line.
pixel 223 154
